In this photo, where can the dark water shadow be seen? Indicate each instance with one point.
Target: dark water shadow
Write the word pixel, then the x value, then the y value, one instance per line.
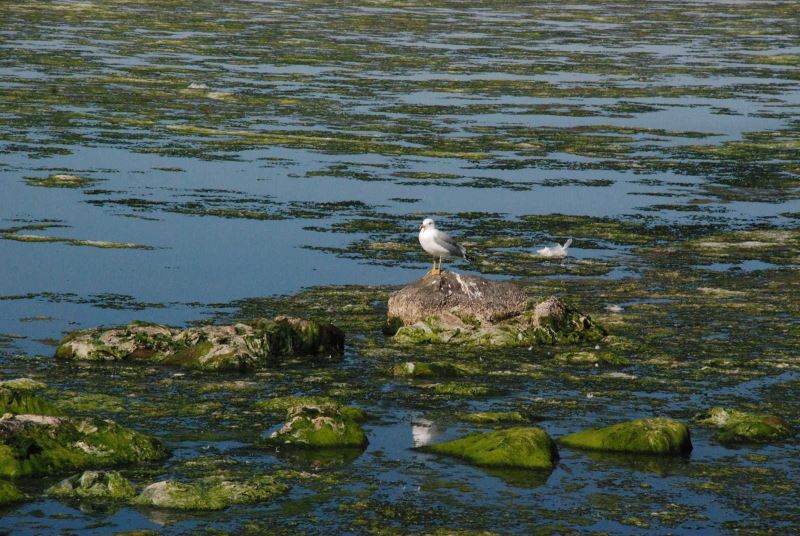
pixel 520 478
pixel 647 463
pixel 316 458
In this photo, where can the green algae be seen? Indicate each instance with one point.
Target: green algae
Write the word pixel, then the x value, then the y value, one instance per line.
pixel 16 235
pixel 16 401
pixel 10 494
pixel 643 436
pixel 521 448
pixel 211 493
pixel 494 417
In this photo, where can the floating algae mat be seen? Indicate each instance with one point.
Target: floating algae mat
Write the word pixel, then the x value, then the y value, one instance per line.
pixel 193 164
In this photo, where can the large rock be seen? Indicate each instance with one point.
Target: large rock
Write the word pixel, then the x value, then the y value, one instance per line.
pixel 462 309
pixel 103 486
pixel 519 447
pixel 641 436
pixel 33 445
pixel 743 427
pixel 211 493
pixel 229 347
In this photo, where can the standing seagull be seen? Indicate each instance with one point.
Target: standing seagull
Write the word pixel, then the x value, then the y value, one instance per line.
pixel 439 244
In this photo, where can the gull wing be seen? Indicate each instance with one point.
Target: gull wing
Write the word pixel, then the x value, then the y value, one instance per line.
pixel 444 240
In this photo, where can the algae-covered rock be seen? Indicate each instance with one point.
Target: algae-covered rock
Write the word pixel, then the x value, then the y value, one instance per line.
pixel 22 384
pixel 94 485
pixel 228 347
pixel 459 309
pixel 212 493
pixel 32 445
pixel 295 405
pixel 9 493
pixel 310 428
pixel 433 369
pixel 742 427
pixel 519 447
pixel 642 436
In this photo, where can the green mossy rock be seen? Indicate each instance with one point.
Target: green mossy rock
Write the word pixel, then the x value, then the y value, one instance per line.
pixel 232 347
pixel 95 486
pixel 212 493
pixel 473 311
pixel 742 427
pixel 311 429
pixel 33 445
pixel 434 369
pixel 642 436
pixel 9 493
pixel 293 405
pixel 520 447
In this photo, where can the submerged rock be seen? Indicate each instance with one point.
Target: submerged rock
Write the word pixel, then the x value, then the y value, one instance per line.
pixel 461 309
pixel 94 485
pixel 494 417
pixel 593 358
pixel 434 369
pixel 32 445
pixel 641 436
pixel 310 427
pixel 229 347
pixel 211 493
pixel 742 427
pixel 9 493
pixel 22 384
pixel 520 447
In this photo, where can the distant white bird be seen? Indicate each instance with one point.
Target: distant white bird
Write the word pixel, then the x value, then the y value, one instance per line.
pixel 557 251
pixel 439 244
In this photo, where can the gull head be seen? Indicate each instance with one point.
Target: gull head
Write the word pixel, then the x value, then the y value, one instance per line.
pixel 427 223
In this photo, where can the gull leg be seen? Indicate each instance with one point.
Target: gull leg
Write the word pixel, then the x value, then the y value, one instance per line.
pixel 440 265
pixel 433 269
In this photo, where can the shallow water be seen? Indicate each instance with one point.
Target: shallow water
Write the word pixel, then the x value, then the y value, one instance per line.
pixel 323 135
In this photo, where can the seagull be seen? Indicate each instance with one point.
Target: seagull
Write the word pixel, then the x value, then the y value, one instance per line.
pixel 557 251
pixel 439 244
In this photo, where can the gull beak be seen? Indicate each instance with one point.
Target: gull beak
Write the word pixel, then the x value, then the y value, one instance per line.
pixel 421 225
